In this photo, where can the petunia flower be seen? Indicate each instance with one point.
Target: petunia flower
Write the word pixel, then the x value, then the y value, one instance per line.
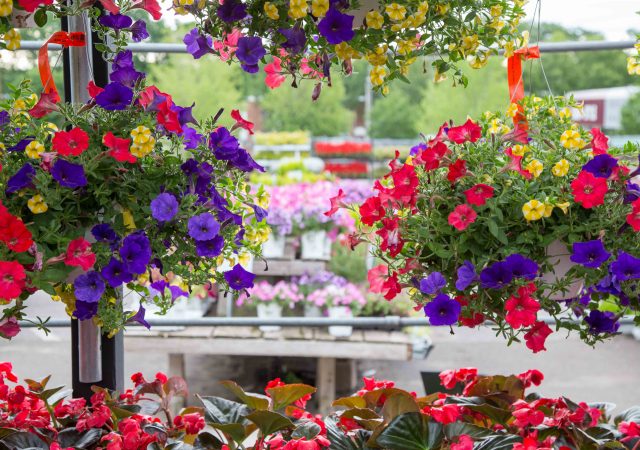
pixel 104 233
pixel 164 207
pixel 336 27
pixel 462 216
pixel 457 170
pixel 139 31
pixel 68 174
pixel 211 248
pixel 203 227
pixel 442 310
pixel 197 44
pixel 115 21
pixel 432 156
pixel 115 97
pixel 241 122
pixel 626 267
pixel 432 283
pixel 21 179
pixel 496 276
pixel 296 40
pixel 150 6
pixel 139 317
pixel 89 287
pixel 599 142
pixel 274 76
pixel 466 275
pixel 116 273
pixel 589 190
pixel 633 218
pixel 9 327
pixel 522 267
pixel 46 104
pixel 590 253
pixel 522 310
pixel 602 322
pixel 601 166
pixel 239 278
pixel 468 132
pixel 232 11
pixel 478 194
pixel 118 148
pixel 536 336
pixel 250 50
pixel 136 252
pixel 336 203
pixel 79 254
pixel 70 143
pixel 12 280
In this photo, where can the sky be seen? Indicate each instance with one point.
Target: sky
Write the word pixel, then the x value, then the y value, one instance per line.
pixel 611 17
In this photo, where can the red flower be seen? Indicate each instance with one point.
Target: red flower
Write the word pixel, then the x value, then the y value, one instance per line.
pixel 522 310
pixel 191 423
pixel 150 6
pixel 449 378
pixel 462 216
pixel 633 218
pixel 445 414
pixel 526 414
pixel 376 277
pixel 629 429
pixel 9 327
pixel 46 104
pixel 432 156
pixel 479 194
pixel 536 336
pixel 464 443
pixel 14 233
pixel 110 6
pixel 390 234
pixel 161 378
pixel 138 379
pixel 531 377
pixel 469 132
pixel 515 164
pixel 274 76
pixel 32 5
pixel 168 118
pixel 469 318
pixel 336 203
pixel 457 170
pixel 391 287
pixel 92 88
pixel 118 148
pixel 599 142
pixel 371 211
pixel 149 94
pixel 240 122
pixel 79 254
pixel 589 190
pixel 70 143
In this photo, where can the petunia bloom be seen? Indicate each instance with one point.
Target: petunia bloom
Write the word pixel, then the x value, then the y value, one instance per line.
pixel 599 142
pixel 462 216
pixel 522 309
pixel 116 273
pixel 118 148
pixel 442 310
pixel 536 336
pixel 432 283
pixel 70 143
pixel 522 267
pixel 12 280
pixel 115 21
pixel 466 275
pixel 139 31
pixel 203 227
pixel 239 278
pixel 164 207
pixel 136 252
pixel 626 267
pixel 79 254
pixel 601 166
pixel 457 170
pixel 197 44
pixel 250 51
pixel 211 248
pixel 633 218
pixel 478 194
pixel 602 322
pixel 468 132
pixel 496 276
pixel 336 27
pixel 115 97
pixel 589 190
pixel 232 11
pixel 21 179
pixel 89 287
pixel 590 253
pixel 68 174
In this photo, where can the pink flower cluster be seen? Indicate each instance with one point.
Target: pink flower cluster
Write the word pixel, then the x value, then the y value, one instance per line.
pixel 348 295
pixel 283 293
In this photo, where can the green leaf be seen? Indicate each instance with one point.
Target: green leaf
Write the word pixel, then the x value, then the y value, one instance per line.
pixel 340 441
pixel 307 430
pixel 397 405
pixel 73 438
pixel 458 428
pixel 497 232
pixel 237 432
pixel 207 441
pixel 285 395
pixel 412 431
pixel 480 405
pixel 223 411
pixel 269 422
pixel 498 443
pixel 351 402
pixel 253 401
pixel 40 18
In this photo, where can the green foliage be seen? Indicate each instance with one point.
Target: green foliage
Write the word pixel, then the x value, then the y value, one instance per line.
pixel 631 115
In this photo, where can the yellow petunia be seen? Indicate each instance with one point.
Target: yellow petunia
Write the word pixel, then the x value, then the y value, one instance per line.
pixel 271 11
pixel 564 207
pixel 37 204
pixel 34 149
pixel 561 168
pixel 377 75
pixel 572 140
pixel 423 8
pixel 50 127
pixel 535 168
pixel 12 39
pixel 140 135
pixel 405 47
pixel 185 2
pixel 20 105
pixel 470 43
pixel 319 8
pixel 142 150
pixel 496 10
pixel 396 12
pixel 298 9
pixel 442 8
pixel 533 210
pixel 548 209
pixel 374 20
pixel 565 113
pixel 378 57
pixel 345 51
pixel 512 110
pixel 6 7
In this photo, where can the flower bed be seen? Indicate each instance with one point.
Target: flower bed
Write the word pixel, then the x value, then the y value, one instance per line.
pixel 347 148
pixel 492 412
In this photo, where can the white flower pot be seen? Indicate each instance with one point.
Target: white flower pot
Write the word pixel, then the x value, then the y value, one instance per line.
pixel 312 311
pixel 269 311
pixel 340 312
pixel 315 245
pixel 274 247
pixel 559 257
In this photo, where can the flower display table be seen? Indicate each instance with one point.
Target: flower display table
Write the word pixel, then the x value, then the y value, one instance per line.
pixel 312 343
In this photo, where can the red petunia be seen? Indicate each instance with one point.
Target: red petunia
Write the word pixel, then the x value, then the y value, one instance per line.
pixel 390 234
pixel 468 318
pixel 9 327
pixel 150 6
pixel 79 254
pixel 92 88
pixel 15 233
pixel 515 164
pixel 479 194
pixel 531 377
pixel 168 118
pixel 371 211
pixel 46 104
pixel 589 190
pixel 376 276
pixel 32 5
pixel 12 279
pixel 462 216
pixel 110 6
pixel 633 218
pixel 599 142
pixel 391 287
pixel 240 122
pixel 468 132
pixel 432 156
pixel 70 143
pixel 118 148
pixel 536 336
pixel 522 310
pixel 336 203
pixel 457 170
pixel 274 76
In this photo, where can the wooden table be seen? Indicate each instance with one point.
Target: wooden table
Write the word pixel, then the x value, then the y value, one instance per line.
pixel 296 342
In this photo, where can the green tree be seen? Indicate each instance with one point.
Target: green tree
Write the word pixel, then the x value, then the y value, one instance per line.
pixel 391 116
pixel 631 116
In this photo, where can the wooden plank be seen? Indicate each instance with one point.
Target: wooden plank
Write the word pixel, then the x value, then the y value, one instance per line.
pixel 326 384
pixel 286 268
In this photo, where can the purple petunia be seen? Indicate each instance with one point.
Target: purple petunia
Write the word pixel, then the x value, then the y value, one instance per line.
pixel 116 273
pixel 197 44
pixel 21 179
pixel 161 286
pixel 417 149
pixel 185 114
pixel 211 248
pixel 442 310
pixel 4 118
pixel 466 275
pixel 432 283
pixel 590 253
pixel 164 207
pixel 88 287
pixel 626 267
pixel 85 310
pixel 115 21
pixel 191 138
pixel 602 322
pixel 245 162
pixel 104 233
pixel 139 317
pixel 260 213
pixel 68 174
pixel 336 27
pixel 632 192
pixel 521 267
pixel 601 166
pixel 223 144
pixel 250 50
pixel 122 60
pixel 496 276
pixel 203 227
pixel 239 278
pixel 127 76
pixel 20 146
pixel 232 11
pixel 139 31
pixel 115 97
pixel 296 39
pixel 136 252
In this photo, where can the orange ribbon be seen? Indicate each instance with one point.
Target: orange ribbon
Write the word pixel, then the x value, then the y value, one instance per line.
pixel 73 39
pixel 516 84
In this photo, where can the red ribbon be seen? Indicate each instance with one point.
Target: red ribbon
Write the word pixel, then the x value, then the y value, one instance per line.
pixel 73 39
pixel 516 84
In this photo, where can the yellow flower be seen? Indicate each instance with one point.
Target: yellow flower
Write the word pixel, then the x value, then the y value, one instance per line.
pixel 374 20
pixel 496 126
pixel 6 7
pixel 548 209
pixel 319 8
pixel 479 60
pixel 423 8
pixel 50 127
pixel 127 220
pixel 37 204
pixel 561 168
pixel 20 105
pixel 405 47
pixel 271 11
pixel 572 140
pixel 142 150
pixel 512 110
pixel 34 149
pixel 470 43
pixel 377 75
pixel 497 25
pixel 396 12
pixel 12 39
pixel 417 19
pixel 533 210
pixel 378 57
pixel 141 134
pixel 535 168
pixel 185 2
pixel 565 113
pixel 442 8
pixel 496 10
pixel 263 200
pixel 244 259
pixel 564 207
pixel 2 147
pixel 633 65
pixel 298 9
pixel 345 51
pixel 509 49
pixel 520 150
pixel 385 90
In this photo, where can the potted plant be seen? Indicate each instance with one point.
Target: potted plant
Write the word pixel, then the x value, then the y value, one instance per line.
pixel 470 225
pixel 341 302
pixel 269 300
pixel 311 282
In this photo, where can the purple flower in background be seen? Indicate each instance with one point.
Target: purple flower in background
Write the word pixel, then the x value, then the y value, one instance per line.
pixel 590 253
pixel 104 233
pixel 223 144
pixel 417 149
pixel 211 248
pixel 164 207
pixel 521 267
pixel 20 146
pixel 626 267
pixel 191 138
pixel 432 283
pixel 115 97
pixel 161 286
pixel 239 237
pixel 4 118
pixel 260 213
pixel 197 44
pixel 238 278
pixel 127 76
pixel 250 50
pixel 602 322
pixel 442 310
pixel 116 273
pixel 466 275
pixel 21 179
pixel 139 31
pixel 85 310
pixel 136 252
pixel 203 227
pixel 88 287
pixel 296 39
pixel 115 21
pixel 601 166
pixel 139 317
pixel 336 27
pixel 123 60
pixel 232 11
pixel 68 174
pixel 496 276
